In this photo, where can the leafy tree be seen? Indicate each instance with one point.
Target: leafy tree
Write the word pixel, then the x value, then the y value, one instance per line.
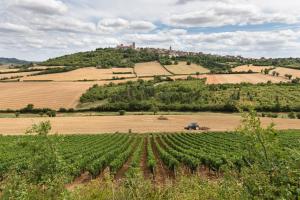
pixel 266 175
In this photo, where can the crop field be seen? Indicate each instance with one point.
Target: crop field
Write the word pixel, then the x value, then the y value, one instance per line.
pixel 183 68
pixel 6 69
pixel 137 123
pixel 44 67
pixel 241 78
pixel 149 69
pixel 53 95
pixel 154 155
pixel 89 73
pixel 246 68
pixel 283 71
pixel 21 74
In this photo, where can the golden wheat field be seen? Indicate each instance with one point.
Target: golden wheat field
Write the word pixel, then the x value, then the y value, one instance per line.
pixel 88 73
pixel 137 124
pixel 183 68
pixel 246 68
pixel 283 71
pixel 16 95
pixel 54 95
pixel 150 69
pixel 236 78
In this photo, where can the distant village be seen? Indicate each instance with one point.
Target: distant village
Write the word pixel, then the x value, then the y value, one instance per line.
pixel 165 52
pixel 174 53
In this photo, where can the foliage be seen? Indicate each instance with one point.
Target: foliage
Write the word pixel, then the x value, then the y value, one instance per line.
pixel 194 95
pixel 271 170
pixel 106 58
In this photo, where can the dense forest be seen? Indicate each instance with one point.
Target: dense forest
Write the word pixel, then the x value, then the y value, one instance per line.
pixel 194 95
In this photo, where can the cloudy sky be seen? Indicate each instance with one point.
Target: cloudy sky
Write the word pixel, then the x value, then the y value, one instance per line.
pixel 40 29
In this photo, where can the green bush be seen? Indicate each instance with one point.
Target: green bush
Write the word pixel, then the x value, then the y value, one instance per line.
pixel 292 115
pixel 122 112
pixel 51 113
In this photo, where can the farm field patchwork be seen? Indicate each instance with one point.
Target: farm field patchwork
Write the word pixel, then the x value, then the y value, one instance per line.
pixel 183 68
pixel 283 71
pixel 137 123
pixel 88 73
pixel 150 69
pixel 246 68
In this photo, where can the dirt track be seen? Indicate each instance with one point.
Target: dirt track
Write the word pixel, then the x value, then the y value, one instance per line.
pixel 138 124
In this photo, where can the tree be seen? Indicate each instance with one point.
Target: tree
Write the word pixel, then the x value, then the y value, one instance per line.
pixel 288 76
pixel 122 112
pixel 188 63
pixel 265 174
pixel 51 113
pixel 154 109
pixel 17 114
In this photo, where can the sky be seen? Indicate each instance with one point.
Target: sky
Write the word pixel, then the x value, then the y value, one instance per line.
pixel 40 29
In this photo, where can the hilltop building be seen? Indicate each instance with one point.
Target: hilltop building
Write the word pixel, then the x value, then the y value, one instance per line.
pixel 122 46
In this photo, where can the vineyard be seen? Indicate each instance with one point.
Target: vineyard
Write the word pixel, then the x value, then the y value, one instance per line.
pixel 160 156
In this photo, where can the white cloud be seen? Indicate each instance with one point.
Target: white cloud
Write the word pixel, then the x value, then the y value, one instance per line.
pixel 141 25
pixel 9 27
pixel 39 6
pixel 227 14
pixel 119 24
pixel 39 29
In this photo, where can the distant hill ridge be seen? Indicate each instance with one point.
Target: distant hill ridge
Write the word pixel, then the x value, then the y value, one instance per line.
pixel 13 61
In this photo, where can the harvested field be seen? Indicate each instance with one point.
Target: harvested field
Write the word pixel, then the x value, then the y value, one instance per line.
pixel 183 68
pixel 246 68
pixel 89 73
pixel 150 69
pixel 237 78
pixel 6 70
pixel 45 67
pixel 283 71
pixel 10 75
pixel 53 95
pixel 138 124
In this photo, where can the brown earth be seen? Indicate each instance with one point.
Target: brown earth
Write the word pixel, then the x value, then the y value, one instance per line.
pixel 137 123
